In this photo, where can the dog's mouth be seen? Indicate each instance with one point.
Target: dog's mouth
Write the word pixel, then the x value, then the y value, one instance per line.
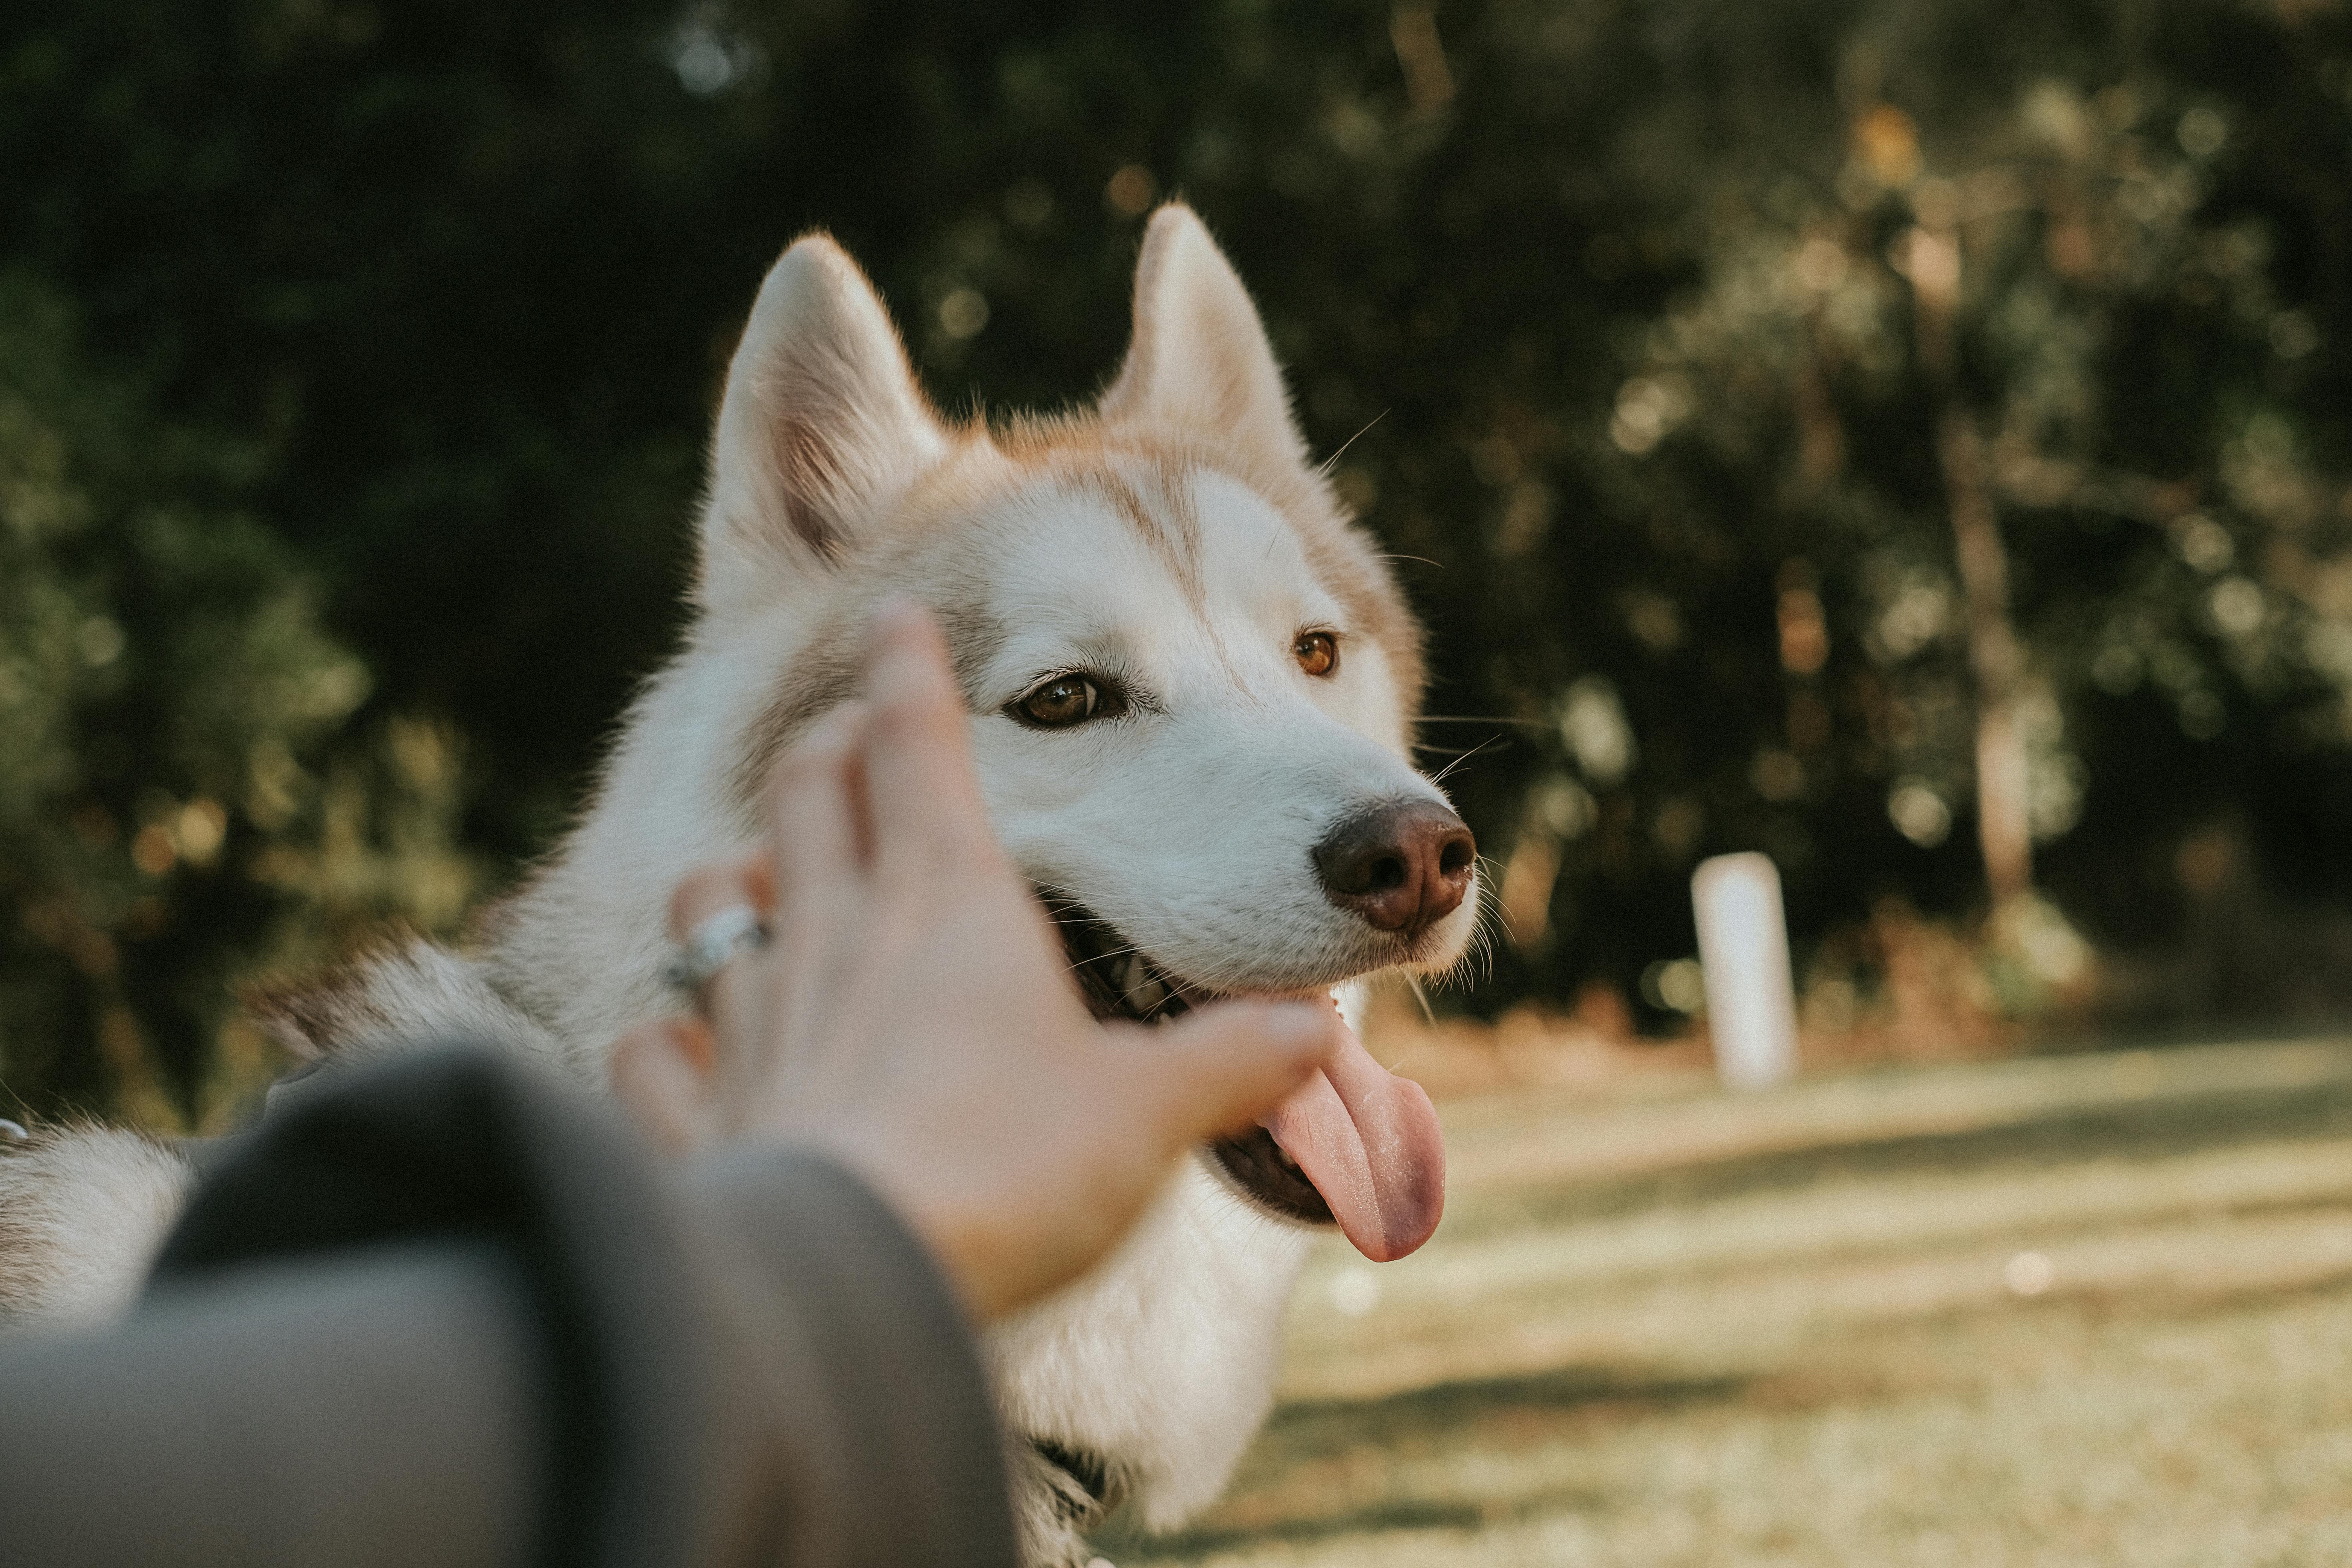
pixel 1119 982
pixel 1355 1146
pixel 1116 979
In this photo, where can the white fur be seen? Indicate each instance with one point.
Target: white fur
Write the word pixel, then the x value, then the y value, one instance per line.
pixel 1186 824
pixel 1164 1357
pixel 83 1212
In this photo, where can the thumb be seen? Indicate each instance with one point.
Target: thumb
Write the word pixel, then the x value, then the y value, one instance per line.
pixel 1219 1068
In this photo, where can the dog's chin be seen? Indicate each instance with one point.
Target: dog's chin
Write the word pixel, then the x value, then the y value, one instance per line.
pixel 1118 981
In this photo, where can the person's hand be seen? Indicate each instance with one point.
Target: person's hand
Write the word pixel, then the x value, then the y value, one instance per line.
pixel 913 1018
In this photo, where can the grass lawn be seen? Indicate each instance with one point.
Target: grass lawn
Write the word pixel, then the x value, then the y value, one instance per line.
pixel 2068 1311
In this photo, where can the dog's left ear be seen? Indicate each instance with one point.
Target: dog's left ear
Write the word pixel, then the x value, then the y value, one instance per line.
pixel 823 428
pixel 1199 360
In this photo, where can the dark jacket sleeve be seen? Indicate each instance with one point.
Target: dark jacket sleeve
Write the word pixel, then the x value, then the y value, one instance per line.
pixel 440 1310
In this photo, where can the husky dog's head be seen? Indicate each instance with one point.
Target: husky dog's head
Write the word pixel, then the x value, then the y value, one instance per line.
pixel 1190 678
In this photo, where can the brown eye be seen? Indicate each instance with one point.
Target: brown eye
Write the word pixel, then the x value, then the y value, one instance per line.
pixel 1318 653
pixel 1060 703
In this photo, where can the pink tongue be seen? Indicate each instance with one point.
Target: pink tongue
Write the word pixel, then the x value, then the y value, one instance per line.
pixel 1369 1140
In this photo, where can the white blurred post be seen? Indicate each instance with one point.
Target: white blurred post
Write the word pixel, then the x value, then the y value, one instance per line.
pixel 1743 951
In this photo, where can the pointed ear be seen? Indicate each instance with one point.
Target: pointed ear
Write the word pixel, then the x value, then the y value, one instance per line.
pixel 1199 360
pixel 822 429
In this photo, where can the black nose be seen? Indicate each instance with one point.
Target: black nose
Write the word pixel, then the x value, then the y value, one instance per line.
pixel 1404 866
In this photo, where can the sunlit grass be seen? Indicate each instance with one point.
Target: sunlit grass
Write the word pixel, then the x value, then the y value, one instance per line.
pixel 2093 1310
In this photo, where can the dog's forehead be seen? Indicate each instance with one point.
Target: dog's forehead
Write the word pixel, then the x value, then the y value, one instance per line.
pixel 1249 550
pixel 1136 551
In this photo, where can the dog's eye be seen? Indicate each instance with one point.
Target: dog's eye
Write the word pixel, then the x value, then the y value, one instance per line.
pixel 1318 653
pixel 1062 701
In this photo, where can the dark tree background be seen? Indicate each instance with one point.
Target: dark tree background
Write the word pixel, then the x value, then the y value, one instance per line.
pixel 355 362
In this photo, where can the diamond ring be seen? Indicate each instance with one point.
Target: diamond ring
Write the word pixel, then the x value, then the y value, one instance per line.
pixel 712 946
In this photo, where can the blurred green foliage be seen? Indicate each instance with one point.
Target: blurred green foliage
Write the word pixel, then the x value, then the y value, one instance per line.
pixel 165 689
pixel 358 359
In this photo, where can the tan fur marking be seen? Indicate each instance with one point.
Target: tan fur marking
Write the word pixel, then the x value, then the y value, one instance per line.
pixel 824 675
pixel 827 674
pixel 1169 530
pixel 308 1016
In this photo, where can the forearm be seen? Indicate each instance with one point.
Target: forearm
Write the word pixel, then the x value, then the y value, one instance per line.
pixel 343 1411
pixel 445 1313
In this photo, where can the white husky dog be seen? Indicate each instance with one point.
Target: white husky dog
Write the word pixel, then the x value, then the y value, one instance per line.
pixel 1191 680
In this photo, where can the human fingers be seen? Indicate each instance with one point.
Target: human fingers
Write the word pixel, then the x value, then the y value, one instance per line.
pixel 1219 1067
pixel 712 885
pixel 818 837
pixel 733 998
pixel 657 1072
pixel 921 781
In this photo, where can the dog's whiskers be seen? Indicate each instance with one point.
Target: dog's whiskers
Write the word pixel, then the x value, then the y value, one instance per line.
pixel 1332 461
pixel 1440 776
pixel 1483 928
pixel 1107 952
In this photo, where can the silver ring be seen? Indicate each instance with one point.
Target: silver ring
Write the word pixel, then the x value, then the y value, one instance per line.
pixel 712 946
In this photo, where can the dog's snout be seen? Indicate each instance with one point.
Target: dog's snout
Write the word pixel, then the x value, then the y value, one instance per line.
pixel 1402 866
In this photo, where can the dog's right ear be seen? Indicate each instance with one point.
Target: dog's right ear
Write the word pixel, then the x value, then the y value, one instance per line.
pixel 1199 360
pixel 822 429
